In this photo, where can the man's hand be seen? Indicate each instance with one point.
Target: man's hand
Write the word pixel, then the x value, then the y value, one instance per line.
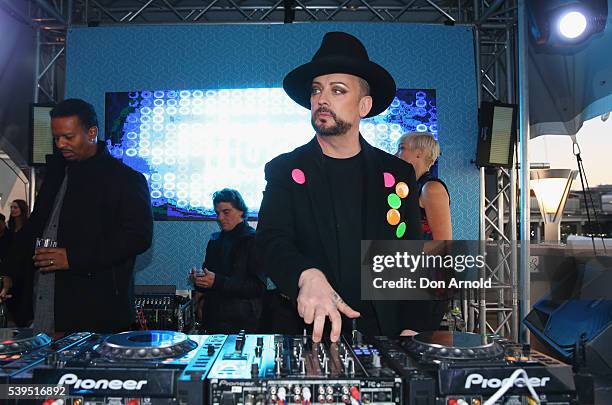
pixel 408 332
pixel 318 300
pixel 50 259
pixel 205 281
pixel 7 283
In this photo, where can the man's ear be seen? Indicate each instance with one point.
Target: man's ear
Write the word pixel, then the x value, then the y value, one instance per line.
pixel 92 134
pixel 365 105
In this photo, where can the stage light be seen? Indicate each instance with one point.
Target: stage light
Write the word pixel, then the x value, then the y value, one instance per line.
pixel 572 24
pixel 565 23
pixel 551 187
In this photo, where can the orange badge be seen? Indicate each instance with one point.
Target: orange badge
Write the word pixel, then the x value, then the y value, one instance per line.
pixel 401 189
pixel 393 217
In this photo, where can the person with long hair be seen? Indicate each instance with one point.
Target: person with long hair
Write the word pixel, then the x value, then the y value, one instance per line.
pixel 421 150
pixel 19 215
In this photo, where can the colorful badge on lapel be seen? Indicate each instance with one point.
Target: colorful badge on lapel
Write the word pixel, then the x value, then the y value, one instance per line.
pixel 395 201
pixel 389 179
pixel 401 189
pixel 393 217
pixel 298 176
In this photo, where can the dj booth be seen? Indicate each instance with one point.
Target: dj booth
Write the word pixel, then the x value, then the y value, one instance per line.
pixel 167 367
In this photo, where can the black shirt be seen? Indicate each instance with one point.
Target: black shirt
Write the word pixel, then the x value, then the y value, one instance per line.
pixel 5 241
pixel 346 181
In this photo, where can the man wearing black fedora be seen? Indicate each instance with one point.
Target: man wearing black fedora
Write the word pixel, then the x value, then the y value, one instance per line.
pixel 324 197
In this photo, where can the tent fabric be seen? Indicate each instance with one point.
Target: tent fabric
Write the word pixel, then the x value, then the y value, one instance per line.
pixel 570 85
pixel 17 61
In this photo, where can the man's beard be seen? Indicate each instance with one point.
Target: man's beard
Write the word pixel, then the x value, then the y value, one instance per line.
pixel 340 128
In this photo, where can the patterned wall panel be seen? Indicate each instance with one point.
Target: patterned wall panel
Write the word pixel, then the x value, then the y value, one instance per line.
pixel 125 58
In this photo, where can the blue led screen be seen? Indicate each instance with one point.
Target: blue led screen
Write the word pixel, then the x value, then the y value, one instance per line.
pixel 191 143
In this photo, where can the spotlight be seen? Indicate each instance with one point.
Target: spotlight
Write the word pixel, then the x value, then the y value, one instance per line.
pixel 565 23
pixel 572 24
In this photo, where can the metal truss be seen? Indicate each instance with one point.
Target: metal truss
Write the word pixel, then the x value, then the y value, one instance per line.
pixel 49 20
pixel 93 12
pixel 496 311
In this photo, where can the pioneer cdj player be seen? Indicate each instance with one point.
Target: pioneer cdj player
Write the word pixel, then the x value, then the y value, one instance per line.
pixel 271 369
pixel 165 367
pixel 457 368
pixel 15 343
pixel 140 367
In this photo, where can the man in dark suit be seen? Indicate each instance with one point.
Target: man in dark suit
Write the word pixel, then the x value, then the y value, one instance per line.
pixel 98 213
pixel 326 196
pixel 231 280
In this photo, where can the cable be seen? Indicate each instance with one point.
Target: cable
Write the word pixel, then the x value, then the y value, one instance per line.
pixel 508 383
pixel 585 190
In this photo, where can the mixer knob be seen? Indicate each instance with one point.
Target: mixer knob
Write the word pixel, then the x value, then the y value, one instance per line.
pixel 376 360
pixel 277 365
pixel 258 351
pixel 349 366
pixel 210 350
pixel 52 359
pixel 260 341
pixel 239 343
pixel 282 393
pixel 254 370
pixel 526 350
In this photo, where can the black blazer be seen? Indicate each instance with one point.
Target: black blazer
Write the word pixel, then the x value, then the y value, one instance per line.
pixel 296 228
pixel 235 300
pixel 105 221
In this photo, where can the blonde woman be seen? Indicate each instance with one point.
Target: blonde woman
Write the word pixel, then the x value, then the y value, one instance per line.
pixel 421 150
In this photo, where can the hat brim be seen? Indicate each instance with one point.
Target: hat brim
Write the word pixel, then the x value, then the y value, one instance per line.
pixel 298 82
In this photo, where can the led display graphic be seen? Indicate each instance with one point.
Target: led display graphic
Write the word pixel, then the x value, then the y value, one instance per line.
pixel 191 143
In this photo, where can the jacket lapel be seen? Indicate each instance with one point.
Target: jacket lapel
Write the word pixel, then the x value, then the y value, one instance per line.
pixel 374 210
pixel 375 218
pixel 319 191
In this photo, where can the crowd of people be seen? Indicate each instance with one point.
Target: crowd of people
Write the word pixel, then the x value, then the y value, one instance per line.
pixel 70 264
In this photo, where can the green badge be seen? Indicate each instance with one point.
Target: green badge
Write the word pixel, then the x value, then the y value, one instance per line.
pixel 394 201
pixel 401 230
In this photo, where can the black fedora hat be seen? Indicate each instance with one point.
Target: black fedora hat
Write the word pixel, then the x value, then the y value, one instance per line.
pixel 341 53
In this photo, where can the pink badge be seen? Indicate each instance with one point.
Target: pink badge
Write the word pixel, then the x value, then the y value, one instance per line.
pixel 389 179
pixel 298 176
